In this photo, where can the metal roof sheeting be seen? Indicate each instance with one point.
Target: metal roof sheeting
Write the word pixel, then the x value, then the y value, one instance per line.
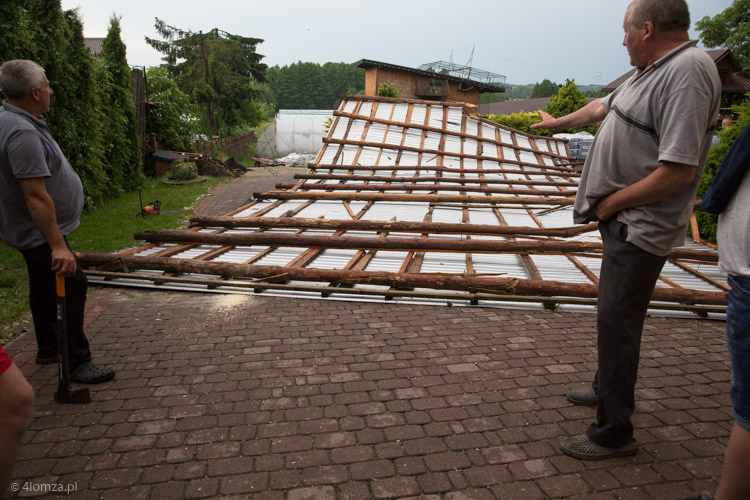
pixel 402 201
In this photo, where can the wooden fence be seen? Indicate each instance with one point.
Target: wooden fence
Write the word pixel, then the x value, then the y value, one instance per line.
pixel 229 146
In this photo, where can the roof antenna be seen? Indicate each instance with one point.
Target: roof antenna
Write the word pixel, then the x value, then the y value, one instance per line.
pixel 471 58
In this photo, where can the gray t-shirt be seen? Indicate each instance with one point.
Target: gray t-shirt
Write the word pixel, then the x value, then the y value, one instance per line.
pixel 666 113
pixel 733 234
pixel 27 150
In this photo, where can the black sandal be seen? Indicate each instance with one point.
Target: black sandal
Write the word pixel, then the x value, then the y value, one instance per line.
pixel 89 373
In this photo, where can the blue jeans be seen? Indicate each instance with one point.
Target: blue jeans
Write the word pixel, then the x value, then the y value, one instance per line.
pixel 738 341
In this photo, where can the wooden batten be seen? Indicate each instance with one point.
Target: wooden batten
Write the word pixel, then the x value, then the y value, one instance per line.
pixel 310 187
pixel 397 226
pixel 365 243
pixel 436 179
pixel 438 152
pixel 425 244
pixel 531 169
pixel 502 286
pixel 418 198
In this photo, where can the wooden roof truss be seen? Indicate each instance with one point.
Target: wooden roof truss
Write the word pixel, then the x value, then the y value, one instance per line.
pixel 411 200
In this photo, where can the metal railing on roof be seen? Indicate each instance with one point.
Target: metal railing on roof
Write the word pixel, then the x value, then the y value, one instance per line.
pixel 465 72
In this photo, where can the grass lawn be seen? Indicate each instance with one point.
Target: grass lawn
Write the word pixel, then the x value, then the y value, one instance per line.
pixel 108 228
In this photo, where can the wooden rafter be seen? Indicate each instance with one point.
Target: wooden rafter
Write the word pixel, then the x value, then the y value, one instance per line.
pixel 385 165
pixel 503 286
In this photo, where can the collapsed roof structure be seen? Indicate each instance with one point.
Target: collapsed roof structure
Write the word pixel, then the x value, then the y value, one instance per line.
pixel 411 200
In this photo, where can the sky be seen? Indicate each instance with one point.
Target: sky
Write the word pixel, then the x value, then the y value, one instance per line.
pixel 524 40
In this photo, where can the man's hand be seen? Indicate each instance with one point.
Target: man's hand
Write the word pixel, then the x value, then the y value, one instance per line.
pixel 63 262
pixel 604 209
pixel 590 113
pixel 548 121
pixel 42 211
pixel 665 181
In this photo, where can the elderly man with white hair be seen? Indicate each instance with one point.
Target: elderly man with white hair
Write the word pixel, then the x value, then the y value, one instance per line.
pixel 41 199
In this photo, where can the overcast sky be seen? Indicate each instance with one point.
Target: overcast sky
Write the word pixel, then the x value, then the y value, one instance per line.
pixel 525 40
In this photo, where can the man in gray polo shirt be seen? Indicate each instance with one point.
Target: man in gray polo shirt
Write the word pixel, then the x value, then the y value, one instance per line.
pixel 41 198
pixel 639 182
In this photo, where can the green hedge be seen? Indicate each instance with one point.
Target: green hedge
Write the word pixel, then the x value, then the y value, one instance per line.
pixel 84 111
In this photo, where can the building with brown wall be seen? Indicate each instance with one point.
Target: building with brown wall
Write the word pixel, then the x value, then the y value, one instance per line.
pixel 413 83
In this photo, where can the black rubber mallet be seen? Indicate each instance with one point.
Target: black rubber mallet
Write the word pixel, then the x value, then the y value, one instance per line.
pixel 65 394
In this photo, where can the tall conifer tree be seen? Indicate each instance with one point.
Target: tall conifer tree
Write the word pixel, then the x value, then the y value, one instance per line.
pixel 121 144
pixel 221 73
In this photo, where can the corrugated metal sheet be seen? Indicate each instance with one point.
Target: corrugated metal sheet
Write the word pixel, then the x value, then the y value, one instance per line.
pixel 442 167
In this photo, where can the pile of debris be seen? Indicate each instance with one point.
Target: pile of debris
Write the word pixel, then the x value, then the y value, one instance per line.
pixel 215 168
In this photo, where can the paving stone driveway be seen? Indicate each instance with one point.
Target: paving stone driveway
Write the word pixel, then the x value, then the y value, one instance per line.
pixel 266 397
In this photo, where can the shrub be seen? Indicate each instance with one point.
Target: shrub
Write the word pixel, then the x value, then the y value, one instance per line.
pixel 521 121
pixel 387 90
pixel 183 171
pixel 327 124
pixel 568 100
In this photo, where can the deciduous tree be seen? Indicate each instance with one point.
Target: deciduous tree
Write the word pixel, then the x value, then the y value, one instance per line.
pixel 173 117
pixel 731 29
pixel 307 85
pixel 544 89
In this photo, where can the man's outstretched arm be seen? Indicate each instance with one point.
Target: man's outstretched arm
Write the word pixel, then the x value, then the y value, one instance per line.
pixel 591 113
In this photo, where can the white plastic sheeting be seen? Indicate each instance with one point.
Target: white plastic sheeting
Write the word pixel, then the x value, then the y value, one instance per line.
pixel 294 131
pixel 381 148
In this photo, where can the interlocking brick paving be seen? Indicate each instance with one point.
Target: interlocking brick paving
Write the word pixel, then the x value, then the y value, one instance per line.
pixel 268 397
pixel 272 398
